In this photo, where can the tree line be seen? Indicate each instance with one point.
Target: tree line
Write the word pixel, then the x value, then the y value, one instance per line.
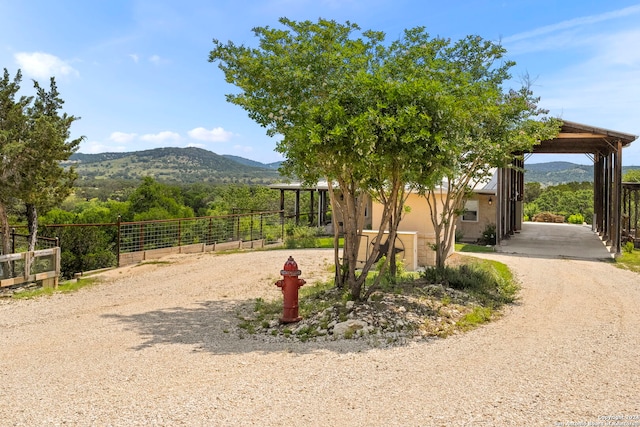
pixel 573 200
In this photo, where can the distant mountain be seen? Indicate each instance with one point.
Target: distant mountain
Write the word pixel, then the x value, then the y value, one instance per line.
pixel 554 173
pixel 184 165
pixel 253 163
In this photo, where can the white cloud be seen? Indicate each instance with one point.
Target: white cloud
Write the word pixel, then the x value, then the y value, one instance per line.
pixel 155 59
pixel 160 137
pixel 93 147
pixel 43 65
pixel 135 57
pixel 574 23
pixel 214 135
pixel 122 137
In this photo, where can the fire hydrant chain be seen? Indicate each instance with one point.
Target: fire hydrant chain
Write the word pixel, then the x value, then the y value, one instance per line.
pixel 289 286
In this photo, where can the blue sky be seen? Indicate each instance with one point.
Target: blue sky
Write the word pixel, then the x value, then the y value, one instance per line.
pixel 137 73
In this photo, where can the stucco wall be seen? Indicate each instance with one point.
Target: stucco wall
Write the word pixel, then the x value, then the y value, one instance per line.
pixel 472 231
pixel 417 220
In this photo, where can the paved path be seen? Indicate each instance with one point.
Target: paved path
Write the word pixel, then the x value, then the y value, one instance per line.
pixel 152 347
pixel 550 240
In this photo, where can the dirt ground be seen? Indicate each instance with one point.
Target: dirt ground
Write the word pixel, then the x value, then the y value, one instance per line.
pixel 153 345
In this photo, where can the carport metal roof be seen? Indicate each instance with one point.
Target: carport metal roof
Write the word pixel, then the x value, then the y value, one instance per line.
pixel 605 149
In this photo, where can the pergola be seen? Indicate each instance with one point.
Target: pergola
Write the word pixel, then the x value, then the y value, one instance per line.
pixel 315 215
pixel 604 148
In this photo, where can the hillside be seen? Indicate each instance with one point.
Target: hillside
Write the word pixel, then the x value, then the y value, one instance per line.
pixel 184 165
pixel 553 173
pixel 253 163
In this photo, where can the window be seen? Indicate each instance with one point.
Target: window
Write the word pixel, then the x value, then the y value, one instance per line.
pixel 470 211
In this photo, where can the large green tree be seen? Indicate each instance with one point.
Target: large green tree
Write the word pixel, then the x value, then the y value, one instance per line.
pixel 13 128
pixel 379 119
pixel 349 112
pixel 35 137
pixel 487 127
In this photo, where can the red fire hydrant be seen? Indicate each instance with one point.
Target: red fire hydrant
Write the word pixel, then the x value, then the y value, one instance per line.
pixel 290 285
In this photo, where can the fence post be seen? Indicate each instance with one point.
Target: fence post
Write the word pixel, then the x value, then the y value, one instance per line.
pixel 118 242
pixel 141 236
pixel 251 230
pixel 13 240
pixel 209 232
pixel 179 232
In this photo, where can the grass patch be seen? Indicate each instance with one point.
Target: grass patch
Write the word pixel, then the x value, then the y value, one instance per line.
pixel 629 260
pixel 327 242
pixel 476 317
pixel 468 247
pixel 490 283
pixel 63 288
pixel 153 262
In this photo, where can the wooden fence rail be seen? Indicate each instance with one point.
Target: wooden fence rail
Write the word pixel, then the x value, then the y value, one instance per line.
pixel 33 266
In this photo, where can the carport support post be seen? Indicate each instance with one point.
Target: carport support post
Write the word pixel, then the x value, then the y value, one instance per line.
pixel 618 206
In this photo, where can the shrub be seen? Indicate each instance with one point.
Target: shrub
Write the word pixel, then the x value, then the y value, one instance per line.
pixel 488 235
pixel 490 282
pixel 299 237
pixel 575 219
pixel 628 247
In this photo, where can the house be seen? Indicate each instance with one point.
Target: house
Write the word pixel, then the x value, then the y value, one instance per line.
pixel 416 233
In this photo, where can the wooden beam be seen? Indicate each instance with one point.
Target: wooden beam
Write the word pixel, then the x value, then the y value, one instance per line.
pixel 572 135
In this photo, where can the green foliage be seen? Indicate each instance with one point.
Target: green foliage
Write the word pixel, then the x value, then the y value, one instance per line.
pixel 153 200
pixel 532 191
pixel 63 288
pixel 628 247
pixel 632 175
pixel 388 278
pixel 170 165
pixel 488 235
pixel 298 237
pixel 376 116
pixel 84 248
pixel 34 139
pixel 477 316
pixel 575 219
pixel 490 282
pixel 570 199
pixel 629 260
pixel 467 247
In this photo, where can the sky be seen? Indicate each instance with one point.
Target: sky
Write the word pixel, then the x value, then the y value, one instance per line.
pixel 137 72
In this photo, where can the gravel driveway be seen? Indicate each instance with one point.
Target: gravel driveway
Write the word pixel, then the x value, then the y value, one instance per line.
pixel 152 346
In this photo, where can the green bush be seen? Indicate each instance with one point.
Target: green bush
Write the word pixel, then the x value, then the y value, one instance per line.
pixel 575 219
pixel 490 282
pixel 628 247
pixel 488 235
pixel 299 237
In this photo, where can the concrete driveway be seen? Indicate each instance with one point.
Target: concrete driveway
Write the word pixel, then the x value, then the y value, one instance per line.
pixel 548 240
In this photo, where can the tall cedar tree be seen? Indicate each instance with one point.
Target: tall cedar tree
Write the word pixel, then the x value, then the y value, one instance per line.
pixel 36 141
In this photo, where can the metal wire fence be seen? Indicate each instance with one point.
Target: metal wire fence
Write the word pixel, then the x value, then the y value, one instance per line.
pixel 20 242
pixel 159 234
pixel 87 247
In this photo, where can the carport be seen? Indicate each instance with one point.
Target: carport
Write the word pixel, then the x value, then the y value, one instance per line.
pixel 604 148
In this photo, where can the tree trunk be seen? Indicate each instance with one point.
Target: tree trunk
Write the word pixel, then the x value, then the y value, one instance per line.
pixel 32 222
pixel 5 230
pixel 6 270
